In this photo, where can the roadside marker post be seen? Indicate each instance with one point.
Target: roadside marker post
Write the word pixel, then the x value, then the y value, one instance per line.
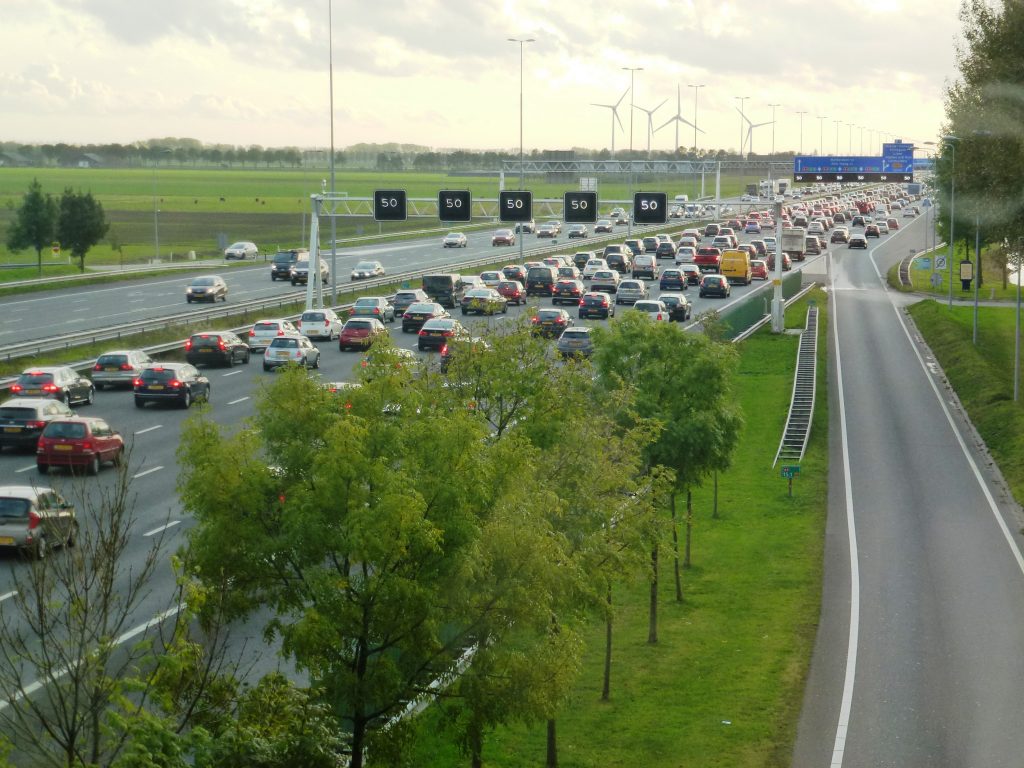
pixel 789 471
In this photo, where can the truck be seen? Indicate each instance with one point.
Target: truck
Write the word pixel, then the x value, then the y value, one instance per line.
pixel 767 189
pixel 785 187
pixel 752 189
pixel 794 242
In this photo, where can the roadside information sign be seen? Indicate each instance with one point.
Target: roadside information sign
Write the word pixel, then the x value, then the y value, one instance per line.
pixel 515 205
pixel 389 205
pixel 455 205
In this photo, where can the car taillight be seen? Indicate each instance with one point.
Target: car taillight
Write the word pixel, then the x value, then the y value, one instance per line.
pixel 50 387
pixel 35 424
pixel 447 334
pixel 221 345
pixel 126 366
pixel 252 332
pixel 97 367
pixel 422 333
pixel 136 382
pixel 87 445
pixel 582 302
pixel 604 302
pixel 33 520
pixel 444 349
pixel 174 384
pixel 16 388
pixel 188 344
pixel 376 310
pixel 535 320
pixel 280 332
pixel 660 316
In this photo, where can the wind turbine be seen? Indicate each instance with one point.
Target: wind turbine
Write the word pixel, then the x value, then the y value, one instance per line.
pixel 615 115
pixel 678 118
pixel 750 130
pixel 650 123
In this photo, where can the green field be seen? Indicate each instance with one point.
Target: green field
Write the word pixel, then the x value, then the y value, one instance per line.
pixel 199 210
pixel 724 685
pixel 992 277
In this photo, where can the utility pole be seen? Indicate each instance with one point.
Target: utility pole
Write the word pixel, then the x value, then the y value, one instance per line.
pixel 632 108
pixel 522 171
pixel 802 113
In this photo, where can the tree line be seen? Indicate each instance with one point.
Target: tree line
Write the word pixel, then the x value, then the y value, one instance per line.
pixel 416 539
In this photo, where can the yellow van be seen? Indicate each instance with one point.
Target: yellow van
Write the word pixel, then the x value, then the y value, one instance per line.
pixel 736 266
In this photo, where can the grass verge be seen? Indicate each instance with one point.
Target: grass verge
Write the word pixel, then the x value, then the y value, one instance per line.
pixel 981 375
pixel 724 685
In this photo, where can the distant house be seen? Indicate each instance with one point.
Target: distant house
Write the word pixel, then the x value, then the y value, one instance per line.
pixel 13 160
pixel 89 160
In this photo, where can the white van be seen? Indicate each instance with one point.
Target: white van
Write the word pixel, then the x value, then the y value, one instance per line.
pixel 645 265
pixel 680 199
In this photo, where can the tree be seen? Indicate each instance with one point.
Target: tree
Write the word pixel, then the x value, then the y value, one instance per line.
pixel 35 222
pixel 81 224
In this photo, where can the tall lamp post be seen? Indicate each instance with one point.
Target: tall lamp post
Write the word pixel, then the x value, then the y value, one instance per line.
pixel 837 122
pixel 334 219
pixel 696 90
pixel 156 207
pixel 951 141
pixel 821 134
pixel 632 108
pixel 770 170
pixel 522 171
pixel 802 113
pixel 849 145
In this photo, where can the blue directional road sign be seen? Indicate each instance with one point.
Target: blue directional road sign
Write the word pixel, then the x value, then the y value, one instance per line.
pixel 898 158
pixel 847 168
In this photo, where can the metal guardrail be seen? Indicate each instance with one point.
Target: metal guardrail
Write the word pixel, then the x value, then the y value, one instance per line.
pixel 144 269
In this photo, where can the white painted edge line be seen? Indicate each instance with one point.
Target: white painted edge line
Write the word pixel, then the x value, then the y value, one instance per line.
pixel 839 746
pixel 24 469
pixel 8 596
pixel 31 688
pixel 239 400
pixel 145 472
pixel 162 528
pixel 147 429
pixel 232 373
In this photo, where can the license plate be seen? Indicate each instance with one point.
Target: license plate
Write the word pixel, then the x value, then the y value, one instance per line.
pixel 156 386
pixel 6 541
pixel 436 333
pixel 62 447
pixel 110 368
pixel 12 430
pixel 33 391
pixel 205 351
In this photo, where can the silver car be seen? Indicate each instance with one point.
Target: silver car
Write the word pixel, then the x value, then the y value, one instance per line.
pixel 455 240
pixel 241 250
pixel 319 324
pixel 575 342
pixel 631 291
pixel 35 519
pixel 119 367
pixel 654 309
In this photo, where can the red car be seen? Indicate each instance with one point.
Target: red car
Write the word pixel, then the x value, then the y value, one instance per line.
pixel 503 237
pixel 514 272
pixel 78 442
pixel 551 322
pixel 513 291
pixel 360 333
pixel 568 292
pixel 759 269
pixel 708 258
pixel 787 263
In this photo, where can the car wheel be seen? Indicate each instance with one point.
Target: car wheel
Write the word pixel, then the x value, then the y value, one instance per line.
pixel 188 299
pixel 118 457
pixel 72 538
pixel 140 403
pixel 90 396
pixel 464 312
pixel 43 468
pixel 40 550
pixel 93 467
pixel 100 385
pixel 266 367
pixel 248 355
pixel 231 360
pixel 186 401
pixel 316 363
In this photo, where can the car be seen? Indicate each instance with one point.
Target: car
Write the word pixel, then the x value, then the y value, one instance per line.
pixel 455 240
pixel 715 285
pixel 596 304
pixel 722 242
pixel 417 314
pixel 603 226
pixel 712 230
pixel 708 258
pixel 484 301
pixel 787 262
pixel 883 227
pixel 445 288
pixel 177 383
pixel 685 254
pixel 858 221
pixel 459 347
pixel 577 230
pixel 265 331
pixel 812 245
pixel 872 230
pixel 568 291
pixel 319 324
pixel 635 245
pixel 216 347
pixel 631 291
pixel 514 272
pixel 692 272
pixel 655 309
pixel 547 230
pixel 580 259
pixel 291 348
pixel 760 249
pixel 360 333
pixel 679 307
pixel 759 269
pixel 59 382
pixel 605 281
pixel 33 519
pixel 840 235
pixel 439 331
pixel 281 266
pixel 569 273
pixel 555 223
pixel 673 280
pixel 241 250
pixel 526 227
pixel 592 266
pixel 504 237
pixel 491 278
pixel 665 251
pixel 367 270
pixel 857 241
pixel 22 419
pixel 206 288
pixel 621 219
pixel 575 342
pixel 374 306
pixel 78 441
pixel 752 227
pixel 119 367
pixel 645 265
pixel 557 262
pixel 513 291
pixel 540 280
pixel 550 322
pixel 620 261
pixel 908 213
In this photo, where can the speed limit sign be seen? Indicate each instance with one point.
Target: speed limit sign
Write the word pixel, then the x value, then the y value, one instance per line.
pixel 515 205
pixel 389 205
pixel 650 207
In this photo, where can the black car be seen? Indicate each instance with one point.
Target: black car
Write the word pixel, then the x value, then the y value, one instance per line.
pixel 216 347
pixel 597 304
pixel 417 314
pixel 620 261
pixel 715 285
pixel 59 382
pixel 22 420
pixel 679 307
pixel 540 281
pixel 177 383
pixel 281 268
pixel 439 332
pixel 604 225
pixel 568 291
pixel 580 258
pixel 207 288
pixel 665 251
pixel 551 322
pixel 651 245
pixel 405 299
pixel 673 280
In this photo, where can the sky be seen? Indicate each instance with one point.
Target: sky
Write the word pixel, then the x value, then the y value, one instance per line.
pixel 442 73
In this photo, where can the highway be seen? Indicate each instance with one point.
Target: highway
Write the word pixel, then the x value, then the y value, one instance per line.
pixel 917 661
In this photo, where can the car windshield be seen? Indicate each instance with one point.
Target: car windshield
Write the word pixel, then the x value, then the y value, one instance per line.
pixel 204 281
pixel 13 507
pixel 420 307
pixel 370 264
pixel 313 317
pixel 72 430
pixel 456 235
pixel 284 258
pixel 237 246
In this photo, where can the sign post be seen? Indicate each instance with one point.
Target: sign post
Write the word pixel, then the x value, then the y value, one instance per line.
pixel 789 471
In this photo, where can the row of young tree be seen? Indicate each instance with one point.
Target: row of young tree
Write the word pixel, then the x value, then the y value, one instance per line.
pixel 980 167
pixel 75 221
pixel 417 539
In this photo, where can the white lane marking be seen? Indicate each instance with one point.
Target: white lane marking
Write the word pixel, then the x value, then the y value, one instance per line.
pixel 162 528
pixel 8 596
pixel 11 698
pixel 25 469
pixel 839 746
pixel 148 429
pixel 233 373
pixel 145 472
pixel 239 400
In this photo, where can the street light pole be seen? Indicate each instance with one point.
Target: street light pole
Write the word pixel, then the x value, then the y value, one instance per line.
pixel 632 108
pixel 804 112
pixel 770 169
pixel 951 140
pixel 1016 336
pixel 696 90
pixel 821 134
pixel 837 122
pixel 977 271
pixel 849 146
pixel 334 220
pixel 522 171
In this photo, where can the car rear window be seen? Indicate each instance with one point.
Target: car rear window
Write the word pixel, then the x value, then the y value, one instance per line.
pixel 32 379
pixel 163 374
pixel 205 340
pixel 13 508
pixel 313 317
pixel 284 342
pixel 67 429
pixel 405 296
pixel 17 413
pixel 265 326
pixel 357 324
pixel 573 334
pixel 111 359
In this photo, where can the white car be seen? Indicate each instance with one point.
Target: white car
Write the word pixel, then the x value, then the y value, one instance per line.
pixel 265 331
pixel 319 324
pixel 685 254
pixel 492 278
pixel 366 270
pixel 592 266
pixel 654 309
pixel 455 240
pixel 241 250
pixel 883 227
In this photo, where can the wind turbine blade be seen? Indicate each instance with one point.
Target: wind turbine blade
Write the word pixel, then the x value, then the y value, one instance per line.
pixel 659 106
pixel 743 115
pixel 609 106
pixel 671 120
pixel 622 97
pixel 615 112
